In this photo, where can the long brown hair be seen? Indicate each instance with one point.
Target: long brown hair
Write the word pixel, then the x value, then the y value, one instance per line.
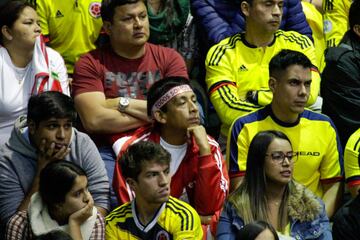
pixel 250 198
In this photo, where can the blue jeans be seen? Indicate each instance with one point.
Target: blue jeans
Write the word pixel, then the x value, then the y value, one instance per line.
pixel 109 158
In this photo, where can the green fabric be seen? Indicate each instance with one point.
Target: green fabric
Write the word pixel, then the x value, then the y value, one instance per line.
pixel 169 22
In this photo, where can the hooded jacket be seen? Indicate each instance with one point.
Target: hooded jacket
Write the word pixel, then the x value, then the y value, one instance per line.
pixel 18 168
pixel 308 219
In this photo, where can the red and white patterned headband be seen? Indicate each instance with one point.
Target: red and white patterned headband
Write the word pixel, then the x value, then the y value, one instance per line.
pixel 169 95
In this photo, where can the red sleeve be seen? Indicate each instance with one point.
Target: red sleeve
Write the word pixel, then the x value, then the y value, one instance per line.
pixel 119 184
pixel 212 184
pixel 175 64
pixel 88 74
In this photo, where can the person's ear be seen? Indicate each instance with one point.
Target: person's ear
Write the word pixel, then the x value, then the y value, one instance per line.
pixel 160 116
pixel 245 8
pixel 272 84
pixel 6 32
pixel 132 183
pixel 107 27
pixel 31 126
pixel 356 29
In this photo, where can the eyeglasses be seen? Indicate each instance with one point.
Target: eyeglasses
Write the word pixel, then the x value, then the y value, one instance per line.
pixel 279 157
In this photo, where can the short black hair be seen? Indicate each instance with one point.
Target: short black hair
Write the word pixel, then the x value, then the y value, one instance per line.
pixel 56 180
pixel 108 7
pixel 252 230
pixel 50 104
pixel 54 235
pixel 286 58
pixel 136 155
pixel 159 88
pixel 354 14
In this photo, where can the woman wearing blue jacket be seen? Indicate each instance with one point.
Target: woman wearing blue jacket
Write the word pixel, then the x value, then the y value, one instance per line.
pixel 269 194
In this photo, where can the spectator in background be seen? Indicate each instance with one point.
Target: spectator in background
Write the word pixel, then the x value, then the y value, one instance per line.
pixel 237 68
pixel 70 27
pixel 340 84
pixel 315 19
pixel 27 66
pixel 63 202
pixel 347 221
pixel 153 214
pixel 111 83
pixel 335 17
pixel 46 135
pixel 172 25
pixel 352 163
pixel 269 194
pixel 221 19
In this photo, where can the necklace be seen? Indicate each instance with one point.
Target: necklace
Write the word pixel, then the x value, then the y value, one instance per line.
pixel 20 74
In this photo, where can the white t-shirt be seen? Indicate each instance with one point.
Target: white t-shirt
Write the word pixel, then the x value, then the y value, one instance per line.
pixel 15 88
pixel 177 154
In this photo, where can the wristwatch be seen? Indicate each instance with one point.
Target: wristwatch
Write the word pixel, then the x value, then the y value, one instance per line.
pixel 123 104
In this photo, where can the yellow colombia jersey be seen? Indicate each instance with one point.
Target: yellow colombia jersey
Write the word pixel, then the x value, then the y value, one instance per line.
pixel 313 138
pixel 352 160
pixel 175 219
pixel 72 26
pixel 234 67
pixel 315 20
pixel 336 14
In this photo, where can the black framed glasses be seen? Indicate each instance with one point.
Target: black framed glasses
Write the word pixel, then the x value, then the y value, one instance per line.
pixel 279 157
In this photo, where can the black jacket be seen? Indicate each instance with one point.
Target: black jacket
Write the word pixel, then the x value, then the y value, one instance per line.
pixel 347 221
pixel 340 85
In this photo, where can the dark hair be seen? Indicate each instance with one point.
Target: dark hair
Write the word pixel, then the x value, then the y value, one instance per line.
pixel 50 104
pixel 250 198
pixel 56 180
pixel 252 230
pixel 159 88
pixel 54 235
pixel 108 8
pixel 255 162
pixel 10 12
pixel 136 155
pixel 286 58
pixel 354 14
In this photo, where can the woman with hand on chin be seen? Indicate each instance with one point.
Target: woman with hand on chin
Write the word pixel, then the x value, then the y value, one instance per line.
pixel 62 203
pixel 27 66
pixel 268 193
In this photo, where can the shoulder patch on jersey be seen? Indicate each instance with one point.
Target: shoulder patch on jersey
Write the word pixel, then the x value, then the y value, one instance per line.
pixel 162 235
pixel 95 9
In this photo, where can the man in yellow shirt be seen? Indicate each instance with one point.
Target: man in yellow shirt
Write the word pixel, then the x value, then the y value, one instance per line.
pixel 237 67
pixel 153 214
pixel 313 135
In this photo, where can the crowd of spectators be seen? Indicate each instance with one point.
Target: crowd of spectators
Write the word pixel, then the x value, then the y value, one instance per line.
pixel 179 119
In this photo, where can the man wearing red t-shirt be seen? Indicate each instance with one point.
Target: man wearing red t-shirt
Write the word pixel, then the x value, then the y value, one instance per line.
pixel 110 83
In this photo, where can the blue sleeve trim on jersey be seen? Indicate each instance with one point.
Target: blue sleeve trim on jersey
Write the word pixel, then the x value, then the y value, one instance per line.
pixel 238 125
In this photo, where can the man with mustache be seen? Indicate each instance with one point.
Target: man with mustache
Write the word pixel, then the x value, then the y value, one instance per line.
pixel 111 83
pixel 237 67
pixel 313 135
pixel 197 169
